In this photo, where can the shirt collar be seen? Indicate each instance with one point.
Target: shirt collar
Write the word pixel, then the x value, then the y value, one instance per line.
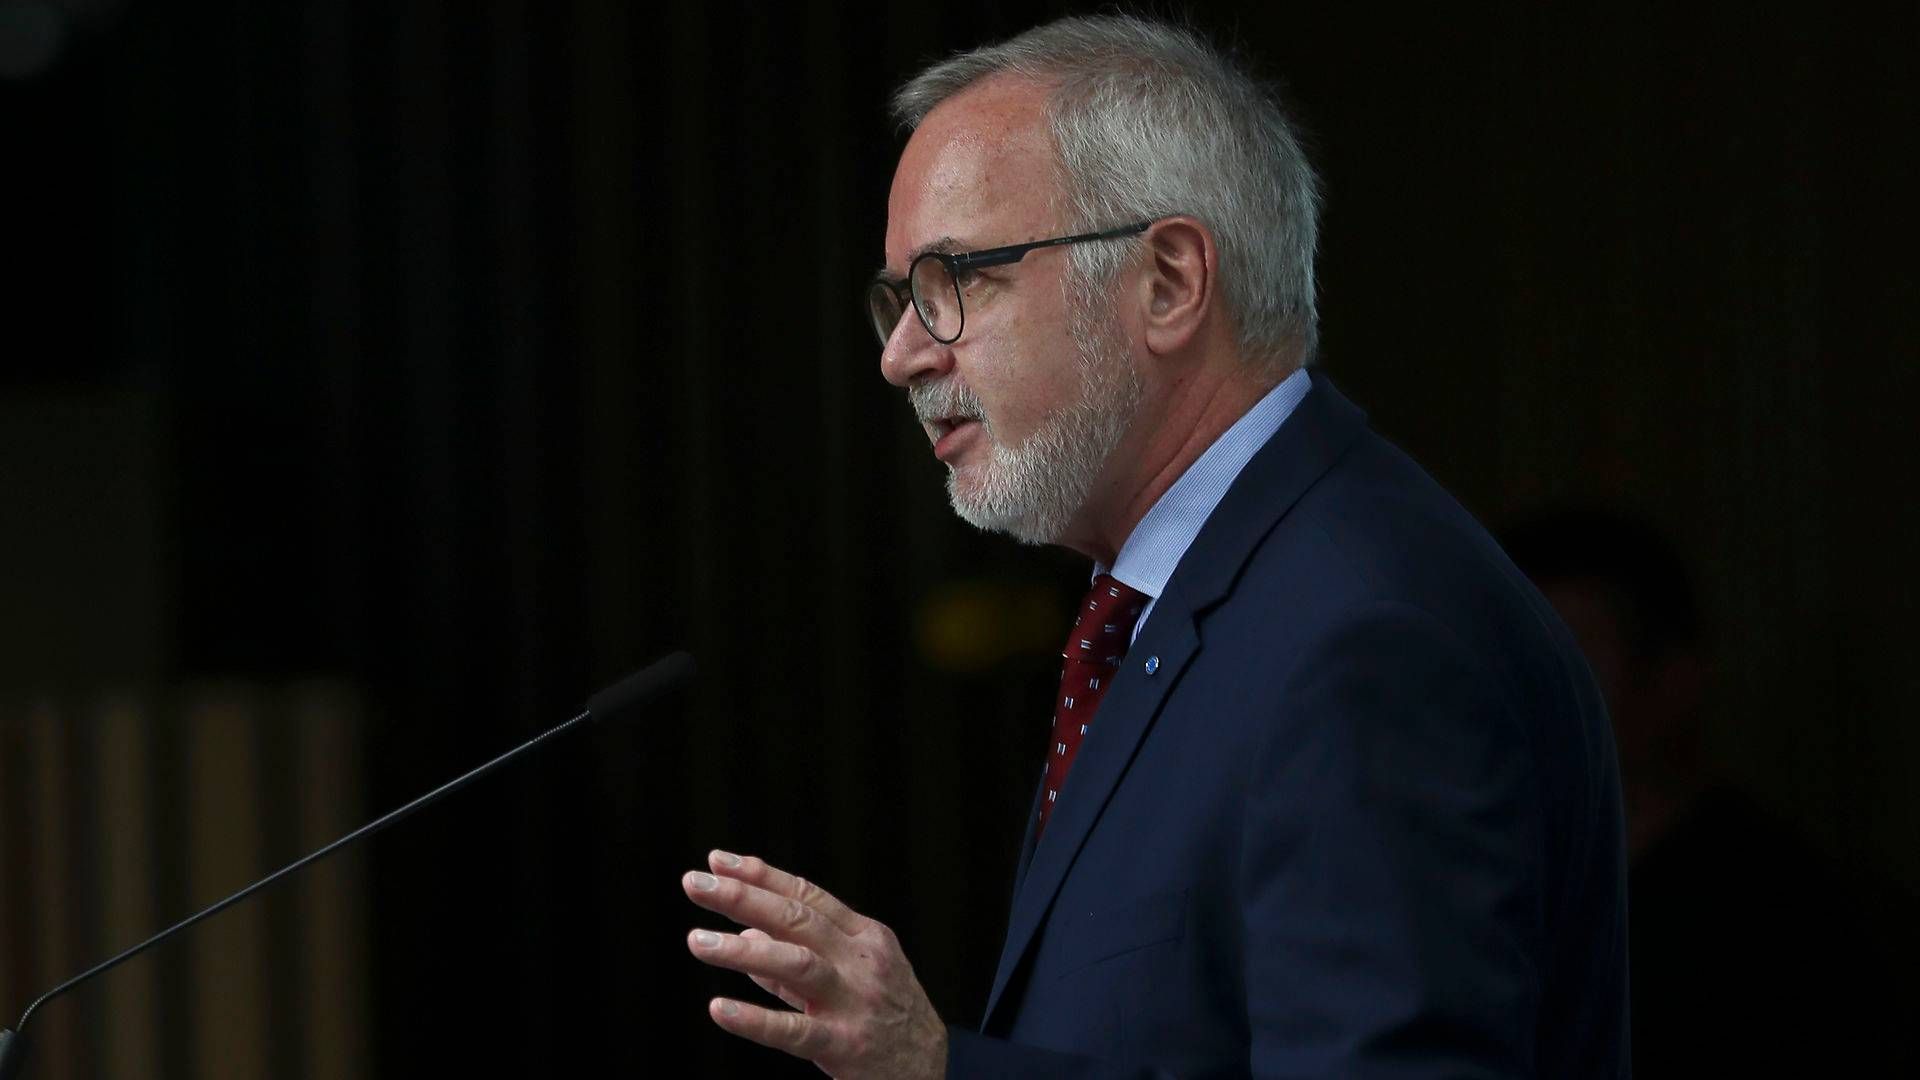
pixel 1147 560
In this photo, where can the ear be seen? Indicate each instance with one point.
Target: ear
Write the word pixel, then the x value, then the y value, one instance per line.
pixel 1176 289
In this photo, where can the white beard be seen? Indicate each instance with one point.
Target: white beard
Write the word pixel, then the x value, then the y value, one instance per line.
pixel 1032 491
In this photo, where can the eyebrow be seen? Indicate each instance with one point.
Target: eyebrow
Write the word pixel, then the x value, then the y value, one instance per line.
pixel 945 244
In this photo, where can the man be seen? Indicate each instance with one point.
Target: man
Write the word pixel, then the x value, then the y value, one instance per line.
pixel 1331 792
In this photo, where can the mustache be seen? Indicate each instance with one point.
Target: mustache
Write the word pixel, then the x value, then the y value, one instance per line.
pixel 940 400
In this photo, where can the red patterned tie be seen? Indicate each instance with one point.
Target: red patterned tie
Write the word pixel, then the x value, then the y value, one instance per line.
pixel 1093 653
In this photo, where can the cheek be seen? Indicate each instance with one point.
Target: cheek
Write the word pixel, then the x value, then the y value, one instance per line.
pixel 1019 386
pixel 1024 366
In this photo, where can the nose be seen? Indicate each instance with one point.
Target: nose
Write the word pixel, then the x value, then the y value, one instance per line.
pixel 911 355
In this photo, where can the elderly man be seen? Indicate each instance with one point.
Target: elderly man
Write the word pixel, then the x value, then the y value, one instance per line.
pixel 1330 791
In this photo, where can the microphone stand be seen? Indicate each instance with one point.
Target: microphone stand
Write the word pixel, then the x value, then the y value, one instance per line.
pixel 661 675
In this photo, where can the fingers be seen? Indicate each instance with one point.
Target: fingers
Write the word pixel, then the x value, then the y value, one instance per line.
pixel 794 967
pixel 756 871
pixel 771 986
pixel 843 974
pixel 750 905
pixel 795 1033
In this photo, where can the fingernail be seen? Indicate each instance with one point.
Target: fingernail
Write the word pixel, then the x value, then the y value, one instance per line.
pixel 726 858
pixel 728 1008
pixel 706 939
pixel 703 882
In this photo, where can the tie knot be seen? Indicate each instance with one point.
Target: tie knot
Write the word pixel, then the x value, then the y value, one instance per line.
pixel 1105 626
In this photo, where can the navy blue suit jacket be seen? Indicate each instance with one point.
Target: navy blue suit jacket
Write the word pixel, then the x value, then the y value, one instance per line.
pixel 1350 808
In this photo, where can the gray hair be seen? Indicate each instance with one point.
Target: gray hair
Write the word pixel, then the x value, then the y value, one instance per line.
pixel 1150 120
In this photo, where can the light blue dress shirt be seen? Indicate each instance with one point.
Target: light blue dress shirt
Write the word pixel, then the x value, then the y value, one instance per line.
pixel 1147 560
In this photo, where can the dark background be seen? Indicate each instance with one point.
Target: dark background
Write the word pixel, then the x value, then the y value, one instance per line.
pixel 464 356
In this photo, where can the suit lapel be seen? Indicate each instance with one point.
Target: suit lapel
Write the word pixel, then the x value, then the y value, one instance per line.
pixel 1124 717
pixel 1320 430
pixel 1026 845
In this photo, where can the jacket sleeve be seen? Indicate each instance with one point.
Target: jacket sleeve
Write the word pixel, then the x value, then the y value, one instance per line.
pixel 971 1055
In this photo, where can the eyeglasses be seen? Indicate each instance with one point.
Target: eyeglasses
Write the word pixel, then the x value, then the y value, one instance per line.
pixel 935 280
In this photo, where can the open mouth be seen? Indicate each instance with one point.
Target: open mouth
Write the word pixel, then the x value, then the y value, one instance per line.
pixel 949 433
pixel 939 429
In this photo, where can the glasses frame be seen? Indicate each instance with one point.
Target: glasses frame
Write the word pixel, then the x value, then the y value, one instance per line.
pixel 904 294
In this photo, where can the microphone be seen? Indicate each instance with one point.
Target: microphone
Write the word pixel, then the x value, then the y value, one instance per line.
pixel 667 673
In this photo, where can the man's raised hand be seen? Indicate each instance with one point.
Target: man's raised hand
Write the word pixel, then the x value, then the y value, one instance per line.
pixel 858 1009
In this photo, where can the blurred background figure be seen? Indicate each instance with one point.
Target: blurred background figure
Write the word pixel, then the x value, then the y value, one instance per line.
pixel 1750 947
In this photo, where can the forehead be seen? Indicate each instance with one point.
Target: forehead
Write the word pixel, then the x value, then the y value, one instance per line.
pixel 979 169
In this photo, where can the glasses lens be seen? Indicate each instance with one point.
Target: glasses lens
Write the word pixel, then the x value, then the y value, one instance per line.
pixel 937 297
pixel 883 307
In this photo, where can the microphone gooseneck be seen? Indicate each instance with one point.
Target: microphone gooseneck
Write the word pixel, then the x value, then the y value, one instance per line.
pixel 662 675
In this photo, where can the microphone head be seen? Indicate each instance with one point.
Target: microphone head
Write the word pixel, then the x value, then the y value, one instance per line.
pixel 664 674
pixel 13 1054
